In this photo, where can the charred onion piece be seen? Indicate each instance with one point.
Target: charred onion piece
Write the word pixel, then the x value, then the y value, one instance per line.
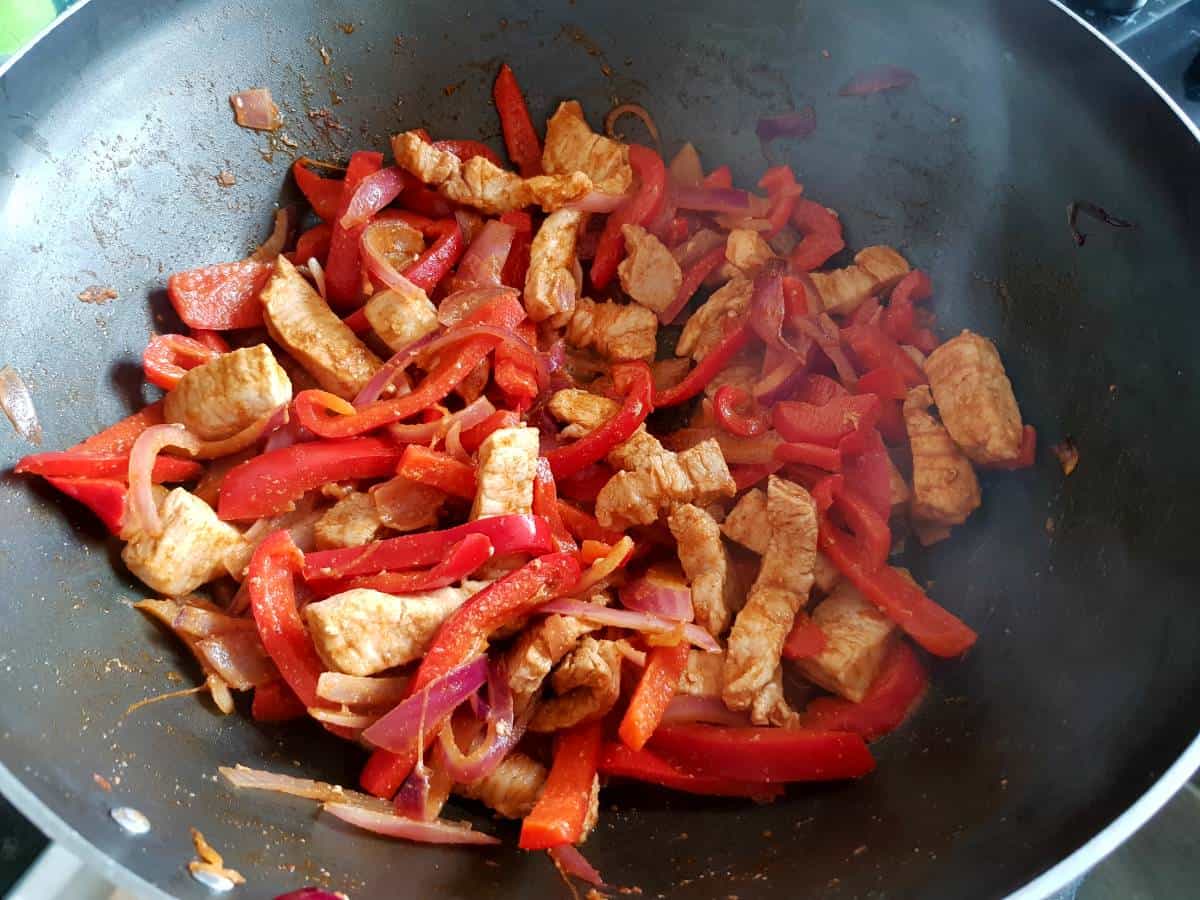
pixel 1096 212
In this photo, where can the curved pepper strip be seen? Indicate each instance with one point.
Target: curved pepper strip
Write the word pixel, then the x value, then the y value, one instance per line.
pixel 781 186
pixel 706 370
pixel 899 319
pixel 658 684
pixel 324 195
pixel 86 464
pixel 520 138
pixel 276 702
pixel 561 810
pixel 592 447
pixel 343 269
pixel 545 504
pixel 439 470
pixel 435 263
pixel 103 496
pixel 462 560
pixel 894 694
pixel 220 297
pixel 464 634
pixel 725 407
pixel 637 210
pixel 693 277
pixel 168 357
pixel 618 761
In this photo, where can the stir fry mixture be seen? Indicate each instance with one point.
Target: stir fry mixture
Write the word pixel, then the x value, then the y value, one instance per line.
pixel 527 477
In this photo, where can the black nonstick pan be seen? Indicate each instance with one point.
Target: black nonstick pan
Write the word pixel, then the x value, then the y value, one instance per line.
pixel 1071 721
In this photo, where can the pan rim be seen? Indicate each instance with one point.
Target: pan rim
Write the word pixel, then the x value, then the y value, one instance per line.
pixel 1059 876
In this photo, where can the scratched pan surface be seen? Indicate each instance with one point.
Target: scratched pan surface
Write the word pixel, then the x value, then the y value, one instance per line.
pixel 1080 694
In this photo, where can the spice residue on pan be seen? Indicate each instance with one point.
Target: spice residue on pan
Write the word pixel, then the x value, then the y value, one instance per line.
pixel 210 869
pixel 97 293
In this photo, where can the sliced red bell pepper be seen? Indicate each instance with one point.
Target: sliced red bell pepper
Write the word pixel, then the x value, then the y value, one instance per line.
pixel 276 702
pixel 119 437
pixel 507 534
pixel 168 357
pixel 584 526
pixel 270 483
pixel 515 371
pixel 545 504
pixel 273 604
pixel 705 370
pixel 819 390
pixel 773 755
pixel 357 321
pixel 827 458
pixel 828 423
pixel 638 209
pixel 637 382
pixel 313 244
pixel 343 269
pixel 86 464
pixel 520 137
pixel 618 761
pixel 780 184
pixel 888 385
pixel 795 298
pixel 324 195
pixel 658 684
pixel 103 496
pixel 894 694
pixel 901 600
pixel 720 177
pixel 210 339
pixel 899 318
pixel 875 349
pixel 924 339
pixel 748 475
pixel 804 640
pixel 559 814
pixel 867 521
pixel 476 435
pixel 585 485
pixel 468 149
pixel 437 469
pixel 822 235
pixel 726 402
pixel 220 297
pixel 463 559
pixel 453 366
pixel 517 265
pixel 678 231
pixel 424 200
pixel 693 277
pixel 436 262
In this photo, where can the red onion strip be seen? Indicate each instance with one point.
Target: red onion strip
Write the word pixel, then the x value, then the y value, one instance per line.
pixel 721 200
pixel 274 244
pixel 141 464
pixel 398 730
pixel 357 690
pixel 17 403
pixel 484 260
pixel 378 266
pixel 689 708
pixel 685 168
pixel 635 621
pixel 435 832
pixel 597 202
pixel 427 432
pixel 799 123
pixel 238 658
pixel 372 194
pixel 501 736
pixel 571 862
pixel 670 600
pixel 830 346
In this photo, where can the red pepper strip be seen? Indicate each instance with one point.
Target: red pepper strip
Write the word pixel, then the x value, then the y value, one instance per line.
pixel 465 633
pixel 678 231
pixel 592 447
pixel 795 297
pixel 119 438
pixel 924 340
pixel 371 195
pixel 324 195
pixel 517 264
pixel 453 367
pixel 545 504
pixel 822 231
pixel 439 470
pixel 827 458
pixel 476 435
pixel 468 149
pixel 804 640
pixel 692 279
pixel 934 628
pixel 869 525
pixel 357 321
pixel 869 472
pixel 85 464
pixel 515 372
pixel 435 263
pixel 313 244
pixel 463 558
pixel 559 814
pixel 343 269
pixel 893 696
pixel 520 138
pixel 210 339
pixel 706 370
pixel 819 390
pixel 638 209
pixel 888 385
pixel 584 526
pixel 103 496
pixel 720 177
pixel 828 423
pixel 270 483
pixel 780 184
pixel 875 349
pixel 1026 457
pixel 168 357
pixel 659 682
pixel 900 316
pixel 508 534
pixel 220 297
pixel 424 200
pixel 745 476
pixel 725 406
pixel 276 702
pixel 585 486
pixel 773 755
pixel 618 761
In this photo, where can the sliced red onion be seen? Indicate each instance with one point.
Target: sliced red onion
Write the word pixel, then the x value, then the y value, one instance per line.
pixel 658 594
pixel 377 264
pixel 501 736
pixel 712 710
pixel 399 730
pixel 630 109
pixel 372 194
pixel 685 168
pixel 458 306
pixel 427 432
pixel 782 380
pixel 798 123
pixel 358 690
pixel 634 621
pixel 830 345
pixel 239 658
pixel 709 199
pixel 571 862
pixel 200 622
pixel 876 79
pixel 261 780
pixel 17 403
pixel 255 109
pixel 310 893
pixel 141 464
pixel 453 443
pixel 597 202
pixel 270 248
pixel 388 371
pixel 484 260
pixel 435 832
pixel 766 304
pixel 469 223
pixel 423 793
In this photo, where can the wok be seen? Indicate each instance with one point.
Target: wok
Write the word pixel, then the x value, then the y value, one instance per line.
pixel 1072 720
